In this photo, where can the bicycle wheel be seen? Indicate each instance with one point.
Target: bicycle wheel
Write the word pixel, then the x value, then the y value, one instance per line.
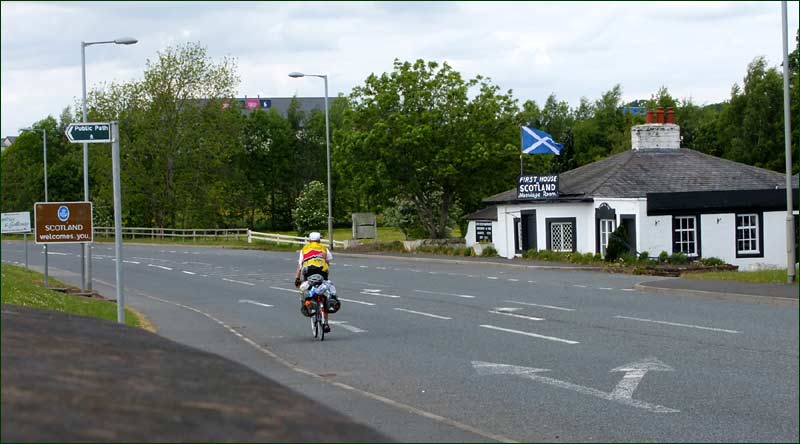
pixel 315 325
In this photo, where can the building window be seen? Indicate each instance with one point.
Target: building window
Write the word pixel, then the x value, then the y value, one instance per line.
pixel 749 232
pixel 607 226
pixel 685 235
pixel 561 234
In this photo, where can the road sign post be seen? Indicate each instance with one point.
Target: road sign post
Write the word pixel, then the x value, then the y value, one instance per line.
pixel 117 219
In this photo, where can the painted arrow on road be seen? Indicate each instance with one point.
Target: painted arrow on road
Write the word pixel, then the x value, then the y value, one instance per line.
pixel 622 394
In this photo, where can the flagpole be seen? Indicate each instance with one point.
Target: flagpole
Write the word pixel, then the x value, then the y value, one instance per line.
pixel 520 150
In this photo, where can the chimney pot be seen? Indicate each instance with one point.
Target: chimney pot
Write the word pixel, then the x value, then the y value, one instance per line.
pixel 660 115
pixel 650 116
pixel 670 115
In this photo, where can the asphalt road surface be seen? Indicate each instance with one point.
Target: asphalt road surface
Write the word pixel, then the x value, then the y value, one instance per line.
pixel 426 351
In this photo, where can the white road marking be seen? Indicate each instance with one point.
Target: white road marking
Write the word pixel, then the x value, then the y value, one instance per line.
pixel 579 286
pixel 130 262
pixel 346 265
pixel 446 294
pixel 491 277
pixel 422 313
pixel 159 266
pixel 354 301
pixel 369 293
pixel 531 282
pixel 187 272
pixel 173 251
pixel 514 315
pixel 381 268
pixel 634 373
pixel 248 301
pixel 57 254
pixel 489 368
pixel 372 290
pixel 541 305
pixel 605 288
pixel 513 280
pixel 678 325
pixel 238 282
pixel 628 289
pixel 286 289
pixel 362 266
pixel 347 327
pixel 534 335
pixel 507 309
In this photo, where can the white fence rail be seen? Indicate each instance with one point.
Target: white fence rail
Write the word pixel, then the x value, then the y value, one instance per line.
pixel 286 239
pixel 173 233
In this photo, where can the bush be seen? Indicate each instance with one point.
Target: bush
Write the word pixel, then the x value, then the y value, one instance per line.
pixel 390 246
pixel 663 257
pixel 628 258
pixel 678 258
pixel 644 256
pixel 489 252
pixel 617 244
pixel 711 261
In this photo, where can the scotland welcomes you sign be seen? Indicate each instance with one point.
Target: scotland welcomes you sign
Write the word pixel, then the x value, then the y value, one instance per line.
pixel 537 187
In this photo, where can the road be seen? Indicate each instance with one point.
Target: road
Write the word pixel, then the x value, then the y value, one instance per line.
pixel 430 351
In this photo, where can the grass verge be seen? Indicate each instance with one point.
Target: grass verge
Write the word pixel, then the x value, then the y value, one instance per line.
pixel 761 276
pixel 24 287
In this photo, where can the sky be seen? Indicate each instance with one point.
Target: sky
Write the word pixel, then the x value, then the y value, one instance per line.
pixel 697 50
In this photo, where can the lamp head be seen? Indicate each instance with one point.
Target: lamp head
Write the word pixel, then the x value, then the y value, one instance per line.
pixel 126 41
pixel 296 74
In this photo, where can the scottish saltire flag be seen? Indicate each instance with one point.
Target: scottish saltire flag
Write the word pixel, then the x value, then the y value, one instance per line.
pixel 536 141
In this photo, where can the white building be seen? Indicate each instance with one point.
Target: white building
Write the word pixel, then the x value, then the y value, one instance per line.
pixel 669 199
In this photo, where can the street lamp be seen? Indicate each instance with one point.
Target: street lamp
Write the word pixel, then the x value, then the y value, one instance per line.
pixel 44 143
pixel 86 269
pixel 296 75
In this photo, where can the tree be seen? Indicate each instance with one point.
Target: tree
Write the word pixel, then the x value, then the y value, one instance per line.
pixel 310 210
pixel 415 133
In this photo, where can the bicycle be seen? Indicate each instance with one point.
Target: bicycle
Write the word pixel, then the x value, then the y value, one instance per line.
pixel 319 322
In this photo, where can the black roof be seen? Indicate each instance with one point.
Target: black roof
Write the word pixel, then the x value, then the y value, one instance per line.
pixel 635 173
pixel 488 213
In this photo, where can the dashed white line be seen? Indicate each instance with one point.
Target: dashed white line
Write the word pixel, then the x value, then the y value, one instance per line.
pixel 628 289
pixel 541 305
pixel 491 277
pixel 190 272
pixel 286 289
pixel 677 324
pixel 159 266
pixel 534 335
pixel 347 327
pixel 248 301
pixel 430 315
pixel 354 301
pixel 362 266
pixel 238 282
pixel 369 293
pixel 57 254
pixel 579 286
pixel 381 268
pixel 605 288
pixel 513 280
pixel 130 262
pixel 531 282
pixel 446 294
pixel 514 315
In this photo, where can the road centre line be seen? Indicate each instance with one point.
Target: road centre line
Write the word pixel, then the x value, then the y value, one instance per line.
pixel 604 288
pixel 579 286
pixel 356 302
pixel 446 294
pixel 248 301
pixel 514 315
pixel 541 305
pixel 159 266
pixel 513 280
pixel 491 277
pixel 422 313
pixel 678 325
pixel 238 282
pixel 534 335
pixel 628 289
pixel 187 272
pixel 57 254
pixel 370 293
pixel 130 262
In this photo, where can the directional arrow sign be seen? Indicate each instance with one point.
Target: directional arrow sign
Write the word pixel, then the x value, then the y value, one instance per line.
pixel 622 394
pixel 90 132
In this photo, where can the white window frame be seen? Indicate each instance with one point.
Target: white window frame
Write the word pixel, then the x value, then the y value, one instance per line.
pixel 683 235
pixel 605 234
pixel 564 227
pixel 752 228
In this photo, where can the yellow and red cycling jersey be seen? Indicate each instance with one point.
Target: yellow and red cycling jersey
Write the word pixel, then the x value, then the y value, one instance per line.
pixel 315 254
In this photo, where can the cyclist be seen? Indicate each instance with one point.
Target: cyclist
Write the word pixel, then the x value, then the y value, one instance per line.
pixel 314 259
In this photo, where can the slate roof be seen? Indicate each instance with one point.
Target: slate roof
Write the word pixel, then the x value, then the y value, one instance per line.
pixel 635 173
pixel 488 213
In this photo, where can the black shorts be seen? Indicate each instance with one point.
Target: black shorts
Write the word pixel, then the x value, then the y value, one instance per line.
pixel 313 269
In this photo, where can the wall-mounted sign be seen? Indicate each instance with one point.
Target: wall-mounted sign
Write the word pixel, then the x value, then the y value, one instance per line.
pixel 266 103
pixel 17 222
pixel 483 231
pixel 63 222
pixel 537 187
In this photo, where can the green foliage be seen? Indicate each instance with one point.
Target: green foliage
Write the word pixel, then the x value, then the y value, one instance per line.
pixel 311 209
pixel 711 261
pixel 644 256
pixel 404 216
pixel 617 244
pixel 663 257
pixel 678 258
pixel 489 252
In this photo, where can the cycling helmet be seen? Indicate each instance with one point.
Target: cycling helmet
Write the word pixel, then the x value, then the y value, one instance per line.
pixel 315 279
pixel 314 236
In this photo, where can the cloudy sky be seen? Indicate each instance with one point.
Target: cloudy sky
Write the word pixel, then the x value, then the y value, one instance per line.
pixel 572 49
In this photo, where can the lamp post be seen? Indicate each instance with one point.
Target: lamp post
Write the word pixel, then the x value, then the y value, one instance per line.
pixel 327 146
pixel 86 252
pixel 44 143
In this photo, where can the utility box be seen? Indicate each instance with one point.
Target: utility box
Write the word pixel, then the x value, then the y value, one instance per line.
pixel 365 226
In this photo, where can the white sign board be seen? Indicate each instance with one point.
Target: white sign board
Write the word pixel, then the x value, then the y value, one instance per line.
pixel 17 222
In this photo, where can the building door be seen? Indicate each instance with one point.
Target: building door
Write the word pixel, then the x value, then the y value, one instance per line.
pixel 529 230
pixel 629 222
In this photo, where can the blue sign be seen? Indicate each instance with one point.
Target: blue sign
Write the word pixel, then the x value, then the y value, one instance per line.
pixel 266 103
pixel 63 213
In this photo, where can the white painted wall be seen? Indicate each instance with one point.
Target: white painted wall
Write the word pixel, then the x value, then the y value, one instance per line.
pixel 503 232
pixel 655 234
pixel 470 236
pixel 655 136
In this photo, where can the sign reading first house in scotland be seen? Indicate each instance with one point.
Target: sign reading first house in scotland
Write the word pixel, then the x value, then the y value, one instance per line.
pixel 537 187
pixel 63 222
